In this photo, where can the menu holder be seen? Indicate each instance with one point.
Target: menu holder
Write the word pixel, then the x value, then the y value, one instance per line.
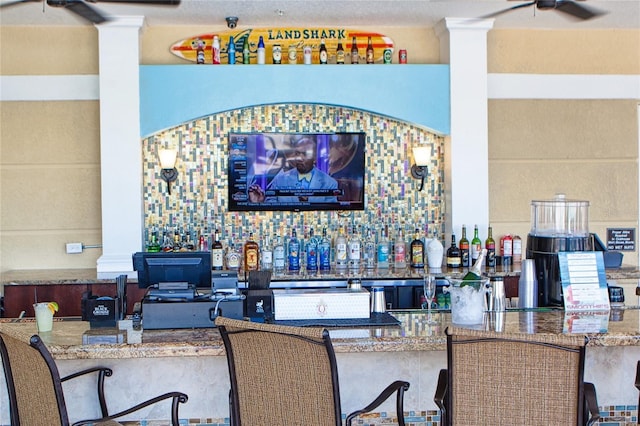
pixel 581 322
pixel 584 283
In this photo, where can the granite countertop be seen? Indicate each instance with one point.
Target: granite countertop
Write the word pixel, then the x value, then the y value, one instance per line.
pixel 620 327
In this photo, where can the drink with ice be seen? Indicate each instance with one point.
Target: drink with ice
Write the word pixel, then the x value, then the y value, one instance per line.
pixel 468 301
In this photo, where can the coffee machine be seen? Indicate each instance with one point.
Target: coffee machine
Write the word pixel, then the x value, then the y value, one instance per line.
pixel 557 225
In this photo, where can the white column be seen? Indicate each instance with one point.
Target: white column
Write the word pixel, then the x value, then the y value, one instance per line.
pixel 463 45
pixel 120 147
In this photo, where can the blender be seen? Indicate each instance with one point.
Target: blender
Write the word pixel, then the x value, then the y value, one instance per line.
pixel 557 225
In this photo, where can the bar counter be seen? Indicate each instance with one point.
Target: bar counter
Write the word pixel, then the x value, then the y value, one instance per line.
pixel 192 361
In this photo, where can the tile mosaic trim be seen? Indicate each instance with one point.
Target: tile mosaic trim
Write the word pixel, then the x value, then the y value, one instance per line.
pixel 198 197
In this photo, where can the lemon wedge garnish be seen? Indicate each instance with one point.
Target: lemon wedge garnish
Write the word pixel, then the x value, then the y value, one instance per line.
pixel 53 307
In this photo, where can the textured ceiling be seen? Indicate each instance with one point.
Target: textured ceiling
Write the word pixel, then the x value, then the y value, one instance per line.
pixel 350 13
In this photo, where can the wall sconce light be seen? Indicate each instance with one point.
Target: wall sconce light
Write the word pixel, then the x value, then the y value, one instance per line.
pixel 168 165
pixel 421 157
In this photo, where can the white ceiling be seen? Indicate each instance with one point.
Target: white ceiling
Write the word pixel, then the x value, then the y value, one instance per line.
pixel 346 13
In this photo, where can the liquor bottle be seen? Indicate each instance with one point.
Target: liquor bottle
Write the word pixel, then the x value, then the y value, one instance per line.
pixel 246 53
pixel 464 248
pixel 177 240
pixel 293 252
pixel 311 249
pixel 476 245
pixel 231 51
pixel 475 272
pixel 369 252
pixel 517 248
pixel 399 251
pixel 341 250
pixel 369 51
pixel 416 256
pixel 234 255
pixel 266 254
pixel 324 252
pixel 354 250
pixel 217 252
pixel 354 51
pixel 278 256
pixel 261 51
pixel 251 254
pixel 490 245
pixel 200 53
pixel 167 240
pixel 215 47
pixel 453 254
pixel 276 53
pixel 382 250
pixel 323 52
pixel 339 53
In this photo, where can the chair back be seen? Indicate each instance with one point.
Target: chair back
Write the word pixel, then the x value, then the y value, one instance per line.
pixel 280 375
pixel 33 382
pixel 514 379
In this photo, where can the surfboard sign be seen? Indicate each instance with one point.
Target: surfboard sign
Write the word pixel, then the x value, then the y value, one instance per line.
pixel 201 45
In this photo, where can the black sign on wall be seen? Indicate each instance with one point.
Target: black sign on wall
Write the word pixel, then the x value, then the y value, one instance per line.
pixel 621 239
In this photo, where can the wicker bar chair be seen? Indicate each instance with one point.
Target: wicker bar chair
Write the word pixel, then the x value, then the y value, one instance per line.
pixel 638 385
pixel 514 379
pixel 283 375
pixel 35 387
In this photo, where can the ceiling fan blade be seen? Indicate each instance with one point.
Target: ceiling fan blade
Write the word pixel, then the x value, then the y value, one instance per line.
pixel 500 12
pixel 85 11
pixel 576 10
pixel 154 2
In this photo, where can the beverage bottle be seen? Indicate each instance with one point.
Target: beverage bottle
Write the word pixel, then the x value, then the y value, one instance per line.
pixel 231 51
pixel 475 272
pixel 476 245
pixel 217 252
pixel 234 256
pixel 324 252
pixel 416 255
pixel 354 51
pixel 517 248
pixel 454 258
pixel 293 252
pixel 490 245
pixel 341 250
pixel 323 52
pixel 506 248
pixel 153 244
pixel 266 256
pixel 400 251
pixel 246 53
pixel 278 256
pixel 464 248
pixel 311 249
pixel 276 52
pixel 369 252
pixel 261 51
pixel 369 51
pixel 382 250
pixel 354 250
pixel 251 254
pixel 215 50
pixel 339 53
pixel 200 54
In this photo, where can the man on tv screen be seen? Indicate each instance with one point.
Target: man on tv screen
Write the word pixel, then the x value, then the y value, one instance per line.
pixel 303 182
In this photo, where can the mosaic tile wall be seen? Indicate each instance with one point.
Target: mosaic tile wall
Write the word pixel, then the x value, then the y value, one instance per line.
pixel 199 196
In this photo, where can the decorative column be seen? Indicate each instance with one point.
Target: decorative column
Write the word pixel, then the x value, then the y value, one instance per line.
pixel 463 45
pixel 120 147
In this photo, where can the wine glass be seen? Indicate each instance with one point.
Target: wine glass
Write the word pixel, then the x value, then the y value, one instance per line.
pixel 429 292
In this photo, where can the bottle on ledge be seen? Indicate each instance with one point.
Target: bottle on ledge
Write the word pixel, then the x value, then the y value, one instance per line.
pixel 476 245
pixel 354 250
pixel 323 52
pixel 474 275
pixel 251 254
pixel 246 53
pixel 266 255
pixel 217 252
pixel 464 248
pixel 293 252
pixel 311 250
pixel 453 254
pixel 369 252
pixel 324 252
pixel 278 256
pixel 339 53
pixel 416 255
pixel 490 245
pixel 400 251
pixel 354 51
pixel 231 51
pixel 341 250
pixel 369 51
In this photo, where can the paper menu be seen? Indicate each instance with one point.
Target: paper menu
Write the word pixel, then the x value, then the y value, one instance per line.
pixel 584 283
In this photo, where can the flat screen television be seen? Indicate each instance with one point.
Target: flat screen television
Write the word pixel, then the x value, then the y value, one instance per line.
pixel 193 267
pixel 296 171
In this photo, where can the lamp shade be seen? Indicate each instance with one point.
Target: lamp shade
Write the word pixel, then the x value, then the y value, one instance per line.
pixel 421 155
pixel 167 158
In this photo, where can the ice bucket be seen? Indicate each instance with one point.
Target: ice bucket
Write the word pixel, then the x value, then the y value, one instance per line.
pixel 468 300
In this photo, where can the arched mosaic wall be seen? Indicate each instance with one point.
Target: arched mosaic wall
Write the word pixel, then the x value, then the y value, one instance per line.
pixel 198 198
